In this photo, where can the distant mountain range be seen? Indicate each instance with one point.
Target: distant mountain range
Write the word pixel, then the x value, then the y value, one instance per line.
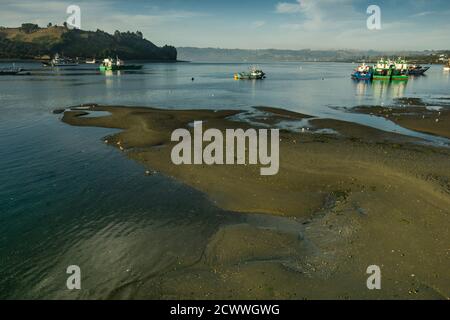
pixel 33 42
pixel 271 55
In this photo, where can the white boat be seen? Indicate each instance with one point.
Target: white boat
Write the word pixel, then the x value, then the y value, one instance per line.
pixel 447 66
pixel 58 61
pixel 253 74
pixel 10 71
pixel 91 61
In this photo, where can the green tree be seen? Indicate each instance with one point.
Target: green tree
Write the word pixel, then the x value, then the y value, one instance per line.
pixel 29 27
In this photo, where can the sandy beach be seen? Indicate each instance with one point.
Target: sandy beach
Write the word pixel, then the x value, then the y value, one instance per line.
pixel 354 197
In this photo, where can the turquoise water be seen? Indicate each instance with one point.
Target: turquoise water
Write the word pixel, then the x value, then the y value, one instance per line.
pixel 67 198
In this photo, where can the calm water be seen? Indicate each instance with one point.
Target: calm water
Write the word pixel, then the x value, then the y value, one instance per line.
pixel 66 198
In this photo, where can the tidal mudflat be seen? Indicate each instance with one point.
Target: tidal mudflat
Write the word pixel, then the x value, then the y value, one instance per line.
pixel 346 197
pixel 415 114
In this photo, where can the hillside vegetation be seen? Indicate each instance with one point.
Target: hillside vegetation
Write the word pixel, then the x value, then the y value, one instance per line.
pixel 32 42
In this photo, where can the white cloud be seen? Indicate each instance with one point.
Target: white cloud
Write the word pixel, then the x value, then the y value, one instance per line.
pixel 258 24
pixel 292 26
pixel 422 14
pixel 320 14
pixel 284 7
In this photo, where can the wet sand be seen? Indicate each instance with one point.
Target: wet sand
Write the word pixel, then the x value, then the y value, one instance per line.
pixel 350 200
pixel 414 114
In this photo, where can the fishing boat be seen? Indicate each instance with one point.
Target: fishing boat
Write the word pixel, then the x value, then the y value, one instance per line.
pixel 363 72
pixel 58 61
pixel 10 71
pixel 109 64
pixel 253 74
pixel 399 70
pixel 417 70
pixel 388 70
pixel 382 70
pixel 447 67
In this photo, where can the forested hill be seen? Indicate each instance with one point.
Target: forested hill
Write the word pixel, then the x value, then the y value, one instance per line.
pixel 33 42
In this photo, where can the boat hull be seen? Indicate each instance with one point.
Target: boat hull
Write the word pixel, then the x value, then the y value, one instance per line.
pixel 382 74
pixel 59 65
pixel 400 78
pixel 130 67
pixel 362 77
pixel 382 78
pixel 242 76
pixel 418 71
pixel 117 68
pixel 65 65
pixel 8 73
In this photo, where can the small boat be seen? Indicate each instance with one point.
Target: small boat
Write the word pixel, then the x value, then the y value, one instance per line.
pixel 10 71
pixel 253 74
pixel 58 61
pixel 363 72
pixel 417 70
pixel 91 61
pixel 117 64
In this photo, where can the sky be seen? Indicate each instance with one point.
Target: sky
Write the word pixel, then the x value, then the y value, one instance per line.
pixel 253 24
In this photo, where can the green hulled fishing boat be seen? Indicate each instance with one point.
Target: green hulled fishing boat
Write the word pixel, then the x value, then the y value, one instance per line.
pixel 400 70
pixel 382 70
pixel 117 64
pixel 388 70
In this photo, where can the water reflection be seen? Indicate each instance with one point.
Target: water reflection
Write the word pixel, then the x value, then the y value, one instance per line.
pixel 381 91
pixel 110 73
pixel 111 77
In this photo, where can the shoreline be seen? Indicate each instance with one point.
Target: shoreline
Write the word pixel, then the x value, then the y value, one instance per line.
pixel 361 196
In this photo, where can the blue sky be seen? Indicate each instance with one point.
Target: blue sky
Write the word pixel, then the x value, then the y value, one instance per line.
pixel 284 24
